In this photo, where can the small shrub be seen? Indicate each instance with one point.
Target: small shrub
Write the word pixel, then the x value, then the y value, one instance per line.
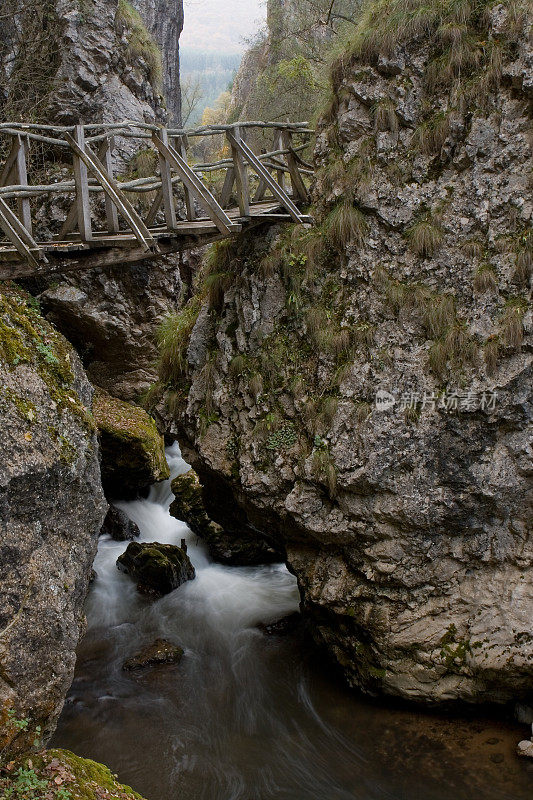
pixel 425 237
pixel 524 258
pixel 237 366
pixel 512 322
pixel 491 354
pixel 173 339
pixel 344 225
pixel 485 279
pixel 438 313
pixel 430 135
pixel 473 248
pixel 216 285
pixel 256 384
pixel 385 118
pixel 323 468
pixel 327 412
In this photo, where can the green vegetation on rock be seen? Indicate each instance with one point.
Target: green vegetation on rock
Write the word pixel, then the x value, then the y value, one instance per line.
pixel 133 452
pixel 141 43
pixel 61 775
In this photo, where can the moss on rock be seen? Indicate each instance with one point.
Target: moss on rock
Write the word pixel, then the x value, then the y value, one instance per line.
pixel 157 568
pixel 61 774
pixel 133 451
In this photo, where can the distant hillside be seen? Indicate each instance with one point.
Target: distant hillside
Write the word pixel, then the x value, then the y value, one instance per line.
pixel 204 76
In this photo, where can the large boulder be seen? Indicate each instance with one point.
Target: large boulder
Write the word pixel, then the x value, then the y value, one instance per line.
pixel 51 511
pixel 244 547
pixel 158 569
pixel 369 381
pixel 133 451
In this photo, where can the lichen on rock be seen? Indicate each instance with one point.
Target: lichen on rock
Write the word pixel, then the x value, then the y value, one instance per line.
pixel 52 507
pixel 133 451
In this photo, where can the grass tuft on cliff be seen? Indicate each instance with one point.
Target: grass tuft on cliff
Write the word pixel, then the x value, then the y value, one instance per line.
pixel 173 340
pixel 141 44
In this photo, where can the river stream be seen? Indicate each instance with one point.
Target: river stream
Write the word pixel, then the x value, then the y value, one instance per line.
pixel 245 716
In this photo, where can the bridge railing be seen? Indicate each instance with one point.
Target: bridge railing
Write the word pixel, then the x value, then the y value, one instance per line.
pixel 278 175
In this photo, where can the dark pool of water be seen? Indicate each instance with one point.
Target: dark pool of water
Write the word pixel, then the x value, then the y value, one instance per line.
pixel 249 717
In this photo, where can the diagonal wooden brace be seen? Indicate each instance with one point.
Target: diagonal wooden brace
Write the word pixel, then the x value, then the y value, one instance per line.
pixel 19 236
pixel 195 185
pixel 93 163
pixel 263 173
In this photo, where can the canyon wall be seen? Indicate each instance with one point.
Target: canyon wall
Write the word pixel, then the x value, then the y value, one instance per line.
pixel 51 509
pixel 164 19
pixel 363 389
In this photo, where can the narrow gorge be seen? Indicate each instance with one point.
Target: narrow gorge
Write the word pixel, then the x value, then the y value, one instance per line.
pixel 266 504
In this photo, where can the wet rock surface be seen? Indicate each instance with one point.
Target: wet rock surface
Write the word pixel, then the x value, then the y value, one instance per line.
pixel 51 510
pixel 133 451
pixel 156 654
pixel 157 569
pixel 241 547
pixel 119 526
pixel 282 627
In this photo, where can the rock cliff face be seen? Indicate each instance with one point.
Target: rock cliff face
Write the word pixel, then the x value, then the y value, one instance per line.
pixel 87 61
pixel 364 389
pixel 111 317
pixel 51 511
pixel 164 19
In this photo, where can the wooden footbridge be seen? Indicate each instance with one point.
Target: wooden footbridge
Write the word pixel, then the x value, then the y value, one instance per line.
pixel 83 171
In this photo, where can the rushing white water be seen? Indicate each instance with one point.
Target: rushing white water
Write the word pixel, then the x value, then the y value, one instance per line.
pixel 243 716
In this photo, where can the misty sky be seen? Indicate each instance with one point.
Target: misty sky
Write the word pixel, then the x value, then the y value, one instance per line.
pixel 221 24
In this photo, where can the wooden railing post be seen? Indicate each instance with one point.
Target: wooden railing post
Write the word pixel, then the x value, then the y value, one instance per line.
pixel 227 188
pixel 166 183
pixel 299 189
pixel 105 154
pixel 189 199
pixel 23 203
pixel 241 173
pixel 81 179
pixel 278 145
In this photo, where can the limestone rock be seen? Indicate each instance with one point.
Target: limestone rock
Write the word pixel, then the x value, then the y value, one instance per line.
pixel 119 526
pixel 282 627
pixel 133 452
pixel 111 317
pixel 525 748
pixel 158 569
pixel 51 511
pixel 408 526
pixel 245 548
pixel 160 652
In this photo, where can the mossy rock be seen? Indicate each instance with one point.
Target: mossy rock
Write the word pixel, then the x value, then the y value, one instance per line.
pixel 133 451
pixel 234 547
pixel 188 505
pixel 60 773
pixel 156 654
pixel 157 568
